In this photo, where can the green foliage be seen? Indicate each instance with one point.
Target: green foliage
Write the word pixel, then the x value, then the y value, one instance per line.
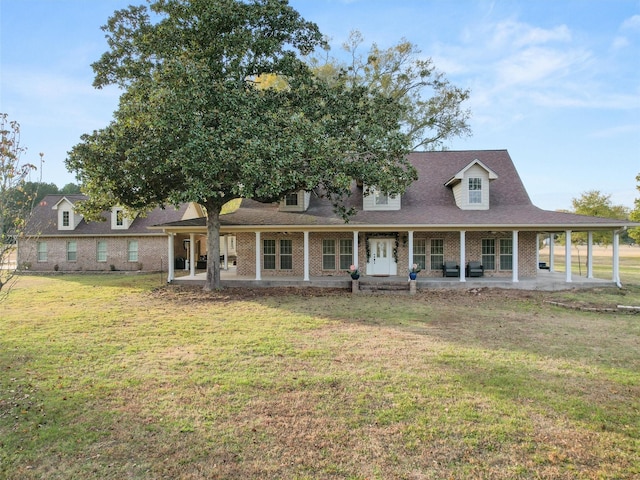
pixel 596 204
pixel 70 188
pixel 432 107
pixel 194 125
pixel 15 203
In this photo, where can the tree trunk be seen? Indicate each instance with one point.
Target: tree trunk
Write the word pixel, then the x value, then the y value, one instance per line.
pixel 213 249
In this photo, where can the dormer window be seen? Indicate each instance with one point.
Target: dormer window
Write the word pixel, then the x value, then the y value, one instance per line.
pixel 295 202
pixel 119 220
pixel 291 200
pixel 375 199
pixel 380 198
pixel 470 186
pixel 475 190
pixel 68 219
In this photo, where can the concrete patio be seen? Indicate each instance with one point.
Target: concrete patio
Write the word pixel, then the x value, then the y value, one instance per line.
pixel 545 280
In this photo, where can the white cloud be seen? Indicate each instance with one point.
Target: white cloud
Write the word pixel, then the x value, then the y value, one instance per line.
pixel 620 42
pixel 631 23
pixel 514 34
pixel 534 65
pixel 618 131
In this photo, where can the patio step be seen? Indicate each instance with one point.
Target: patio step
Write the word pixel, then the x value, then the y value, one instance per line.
pixel 383 286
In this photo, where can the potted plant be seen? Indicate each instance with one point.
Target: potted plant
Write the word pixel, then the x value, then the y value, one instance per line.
pixel 354 272
pixel 413 271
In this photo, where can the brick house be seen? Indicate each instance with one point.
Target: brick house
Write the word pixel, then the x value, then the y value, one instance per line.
pixel 465 206
pixel 60 239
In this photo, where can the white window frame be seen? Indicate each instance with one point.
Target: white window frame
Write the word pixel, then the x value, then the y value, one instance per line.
pixel 101 251
pixel 132 250
pixel 42 252
pixel 270 253
pixel 475 190
pixel 436 253
pixel 72 251
pixel 286 254
pixel 328 254
pixel 420 252
pixel 488 249
pixel 506 254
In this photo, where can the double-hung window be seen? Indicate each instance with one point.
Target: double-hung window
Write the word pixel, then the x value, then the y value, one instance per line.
pixel 420 252
pixel 489 253
pixel 72 251
pixel 132 251
pixel 475 190
pixel 269 254
pixel 65 218
pixel 328 254
pixel 42 251
pixel 286 254
pixel 101 251
pixel 337 253
pixel 277 254
pixel 437 253
pixel 506 254
pixel 346 253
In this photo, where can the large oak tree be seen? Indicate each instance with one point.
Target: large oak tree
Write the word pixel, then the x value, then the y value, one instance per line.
pixel 194 125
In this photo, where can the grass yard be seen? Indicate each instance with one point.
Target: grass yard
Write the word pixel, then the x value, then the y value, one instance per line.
pixel 629 261
pixel 114 377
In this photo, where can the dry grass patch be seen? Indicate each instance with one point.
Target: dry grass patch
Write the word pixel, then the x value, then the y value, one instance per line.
pixel 127 380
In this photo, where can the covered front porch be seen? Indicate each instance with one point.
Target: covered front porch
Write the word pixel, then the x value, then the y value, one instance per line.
pixel 515 263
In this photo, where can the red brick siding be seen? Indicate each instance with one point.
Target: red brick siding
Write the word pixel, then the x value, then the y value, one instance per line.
pixel 473 251
pixel 152 254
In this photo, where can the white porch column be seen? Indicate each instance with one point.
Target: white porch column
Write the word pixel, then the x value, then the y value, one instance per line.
pixel 537 250
pixel 258 263
pixel 589 254
pixel 410 249
pixel 355 248
pixel 463 261
pixel 306 256
pixel 616 258
pixel 225 252
pixel 514 257
pixel 192 254
pixel 551 251
pixel 567 255
pixel 171 273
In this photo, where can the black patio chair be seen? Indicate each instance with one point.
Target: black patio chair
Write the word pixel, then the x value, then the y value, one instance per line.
pixel 450 269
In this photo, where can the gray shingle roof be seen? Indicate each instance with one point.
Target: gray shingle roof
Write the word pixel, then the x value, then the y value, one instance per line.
pixel 428 203
pixel 44 220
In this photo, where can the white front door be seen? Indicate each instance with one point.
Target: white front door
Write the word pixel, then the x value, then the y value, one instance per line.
pixel 381 260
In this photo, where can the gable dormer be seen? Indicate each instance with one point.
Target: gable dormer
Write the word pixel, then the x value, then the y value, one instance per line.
pixel 377 200
pixel 194 210
pixel 295 202
pixel 119 219
pixel 471 186
pixel 68 219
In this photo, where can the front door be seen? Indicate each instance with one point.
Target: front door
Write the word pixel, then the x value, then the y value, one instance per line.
pixel 381 260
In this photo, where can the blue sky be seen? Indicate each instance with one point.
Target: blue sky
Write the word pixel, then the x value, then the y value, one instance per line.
pixel 555 82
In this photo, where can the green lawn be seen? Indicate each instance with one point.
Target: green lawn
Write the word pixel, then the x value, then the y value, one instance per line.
pixel 116 377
